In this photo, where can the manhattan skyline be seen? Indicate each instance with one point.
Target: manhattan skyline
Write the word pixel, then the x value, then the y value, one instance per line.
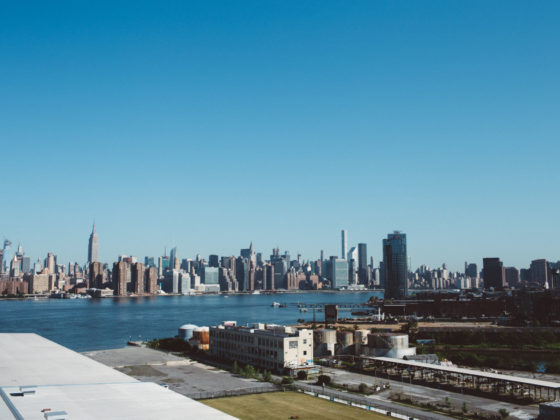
pixel 207 126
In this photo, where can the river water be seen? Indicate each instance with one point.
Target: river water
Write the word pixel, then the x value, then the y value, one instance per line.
pixel 95 324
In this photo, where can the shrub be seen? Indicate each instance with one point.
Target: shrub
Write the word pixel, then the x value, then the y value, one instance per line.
pixel 363 388
pixel 286 380
pixel 249 371
pixel 267 376
pixel 302 375
pixel 324 380
pixel 235 369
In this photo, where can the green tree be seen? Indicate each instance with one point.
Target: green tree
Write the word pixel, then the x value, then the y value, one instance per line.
pixel 324 380
pixel 267 376
pixel 235 369
pixel 411 327
pixel 504 414
pixel 363 388
pixel 286 380
pixel 249 371
pixel 302 375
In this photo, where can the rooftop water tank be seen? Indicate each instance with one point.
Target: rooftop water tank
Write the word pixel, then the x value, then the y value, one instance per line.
pixel 186 331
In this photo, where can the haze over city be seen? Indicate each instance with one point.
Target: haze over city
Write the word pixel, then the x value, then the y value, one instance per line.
pixel 205 126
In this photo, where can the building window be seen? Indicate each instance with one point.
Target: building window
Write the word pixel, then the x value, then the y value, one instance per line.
pixel 293 344
pixel 305 352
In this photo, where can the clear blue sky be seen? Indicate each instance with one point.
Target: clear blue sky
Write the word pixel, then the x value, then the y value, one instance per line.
pixel 206 125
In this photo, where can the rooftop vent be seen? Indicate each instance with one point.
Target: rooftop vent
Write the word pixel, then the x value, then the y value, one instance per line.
pixel 56 415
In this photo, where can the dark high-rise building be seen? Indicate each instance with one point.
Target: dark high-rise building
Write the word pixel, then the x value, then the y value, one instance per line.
pixel 395 266
pixel 242 273
pixel 137 274
pixel 539 272
pixel 213 261
pixel 25 264
pixel 363 269
pixel 95 275
pixel 93 246
pixel 149 262
pixel 512 276
pixel 493 273
pixel 471 270
pixel 119 278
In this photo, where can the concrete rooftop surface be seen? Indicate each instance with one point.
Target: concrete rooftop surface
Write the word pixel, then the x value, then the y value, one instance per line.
pixel 66 381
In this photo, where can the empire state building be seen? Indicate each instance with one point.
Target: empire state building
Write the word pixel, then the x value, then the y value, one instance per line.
pixel 93 247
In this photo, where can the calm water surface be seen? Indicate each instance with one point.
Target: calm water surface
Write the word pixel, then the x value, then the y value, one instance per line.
pixel 94 324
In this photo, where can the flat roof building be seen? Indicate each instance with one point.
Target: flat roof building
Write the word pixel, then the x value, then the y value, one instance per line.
pixel 37 374
pixel 273 347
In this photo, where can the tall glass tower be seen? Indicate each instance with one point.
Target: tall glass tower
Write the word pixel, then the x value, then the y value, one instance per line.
pixel 395 273
pixel 344 243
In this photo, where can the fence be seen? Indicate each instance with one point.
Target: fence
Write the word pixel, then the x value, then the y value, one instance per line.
pixel 265 387
pixel 364 402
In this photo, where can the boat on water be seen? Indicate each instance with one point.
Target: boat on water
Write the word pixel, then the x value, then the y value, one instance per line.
pixel 278 305
pixel 256 292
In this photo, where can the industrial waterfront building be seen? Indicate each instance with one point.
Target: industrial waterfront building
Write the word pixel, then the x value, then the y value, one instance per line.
pixel 273 347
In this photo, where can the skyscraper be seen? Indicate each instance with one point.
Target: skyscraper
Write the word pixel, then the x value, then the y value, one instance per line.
pixel 494 273
pixel 344 238
pixel 363 269
pixel 539 272
pixel 339 273
pixel 119 278
pixel 395 266
pixel 93 247
pixel 471 270
pixel 173 257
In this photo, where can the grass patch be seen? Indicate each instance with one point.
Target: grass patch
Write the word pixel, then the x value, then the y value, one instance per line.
pixel 283 405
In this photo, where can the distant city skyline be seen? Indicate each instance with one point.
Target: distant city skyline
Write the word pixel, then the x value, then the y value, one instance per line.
pixel 207 125
pixel 92 253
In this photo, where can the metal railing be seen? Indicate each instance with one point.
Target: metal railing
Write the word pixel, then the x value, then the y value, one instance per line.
pixel 364 402
pixel 268 387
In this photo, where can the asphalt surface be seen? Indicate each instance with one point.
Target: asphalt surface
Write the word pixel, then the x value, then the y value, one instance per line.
pixel 181 375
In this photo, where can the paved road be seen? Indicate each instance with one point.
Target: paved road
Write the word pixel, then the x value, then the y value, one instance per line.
pixel 433 395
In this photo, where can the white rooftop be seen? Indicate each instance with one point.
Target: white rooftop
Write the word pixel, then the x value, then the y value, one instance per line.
pixel 81 387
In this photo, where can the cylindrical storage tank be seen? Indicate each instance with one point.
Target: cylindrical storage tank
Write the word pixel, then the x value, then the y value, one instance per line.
pixel 390 341
pixel 360 339
pixel 324 336
pixel 202 334
pixel 324 342
pixel 360 336
pixel 345 338
pixel 186 331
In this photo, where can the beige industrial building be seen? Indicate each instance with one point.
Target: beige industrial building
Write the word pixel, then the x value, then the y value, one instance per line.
pixel 273 347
